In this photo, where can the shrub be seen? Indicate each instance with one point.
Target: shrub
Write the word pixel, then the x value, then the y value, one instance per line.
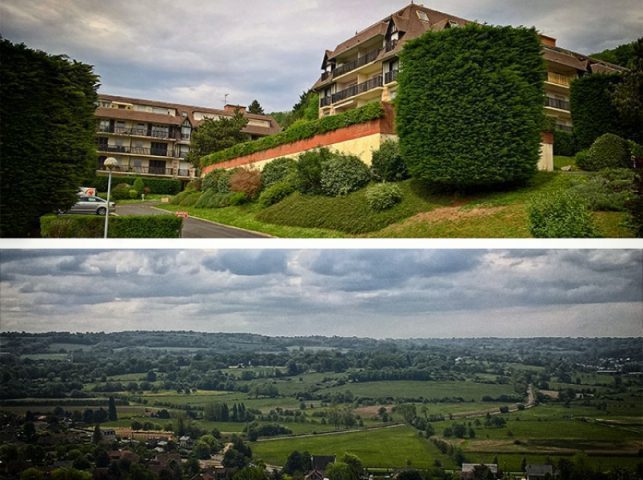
pixel 297 132
pixel 469 105
pixel 564 215
pixel 387 164
pixel 133 194
pixel 91 226
pixel 213 199
pixel 120 191
pixel 277 170
pixel 564 143
pixel 194 185
pixel 246 180
pixel 223 182
pixel 309 166
pixel 343 174
pixel 237 198
pixel 593 113
pixel 608 151
pixel 156 185
pixel 383 196
pixel 190 199
pixel 139 185
pixel 277 192
pixel 610 189
pixel 177 199
pixel 210 181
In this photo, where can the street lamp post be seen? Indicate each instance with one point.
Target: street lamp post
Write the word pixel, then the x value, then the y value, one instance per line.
pixel 109 164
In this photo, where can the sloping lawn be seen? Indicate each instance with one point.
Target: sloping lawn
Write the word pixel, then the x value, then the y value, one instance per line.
pixel 421 214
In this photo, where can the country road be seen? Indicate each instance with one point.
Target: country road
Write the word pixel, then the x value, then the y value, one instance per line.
pixel 192 227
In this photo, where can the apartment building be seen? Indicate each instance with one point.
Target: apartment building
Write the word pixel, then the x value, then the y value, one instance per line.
pixel 151 138
pixel 364 67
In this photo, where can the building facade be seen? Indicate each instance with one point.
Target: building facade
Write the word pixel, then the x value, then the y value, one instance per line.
pixel 364 68
pixel 151 138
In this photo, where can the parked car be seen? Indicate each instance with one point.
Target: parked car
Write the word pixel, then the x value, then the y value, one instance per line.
pixel 91 204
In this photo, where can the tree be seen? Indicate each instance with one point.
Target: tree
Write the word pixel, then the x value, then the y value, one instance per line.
pixel 255 107
pixel 111 410
pixel 523 464
pixel 482 472
pixel 297 462
pixel 470 106
pixel 97 436
pixel 628 95
pixel 215 135
pixel 251 473
pixel 29 430
pixel 47 136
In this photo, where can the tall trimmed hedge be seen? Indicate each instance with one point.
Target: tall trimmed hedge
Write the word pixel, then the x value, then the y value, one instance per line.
pixel 47 106
pixel 92 226
pixel 470 105
pixel 166 186
pixel 301 131
pixel 593 112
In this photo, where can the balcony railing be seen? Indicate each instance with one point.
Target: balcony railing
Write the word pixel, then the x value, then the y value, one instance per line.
pixel 158 152
pixel 390 76
pixel 325 75
pixel 390 45
pixel 357 89
pixel 360 61
pixel 559 79
pixel 325 101
pixel 141 132
pixel 557 103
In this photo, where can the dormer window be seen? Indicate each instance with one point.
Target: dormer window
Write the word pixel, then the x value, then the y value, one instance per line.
pixel 423 16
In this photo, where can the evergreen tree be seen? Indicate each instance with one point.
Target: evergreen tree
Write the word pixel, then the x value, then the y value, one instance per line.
pixel 255 107
pixel 112 415
pixel 97 436
pixel 215 135
pixel 47 136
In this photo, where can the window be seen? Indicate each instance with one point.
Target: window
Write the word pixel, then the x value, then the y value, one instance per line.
pixel 423 16
pixel 103 126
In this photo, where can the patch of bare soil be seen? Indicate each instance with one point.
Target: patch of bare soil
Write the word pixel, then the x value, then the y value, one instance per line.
pixel 550 393
pixel 371 410
pixel 454 213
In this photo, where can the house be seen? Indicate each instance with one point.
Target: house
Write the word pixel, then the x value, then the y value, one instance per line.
pixel 152 138
pixel 468 469
pixel 364 68
pixel 108 434
pixel 539 472
pixel 185 442
pixel 318 466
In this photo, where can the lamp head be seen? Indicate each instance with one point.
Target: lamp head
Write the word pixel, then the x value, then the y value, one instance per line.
pixel 110 163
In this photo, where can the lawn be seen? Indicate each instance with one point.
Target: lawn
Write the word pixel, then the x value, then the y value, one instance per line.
pixel 386 448
pixel 422 213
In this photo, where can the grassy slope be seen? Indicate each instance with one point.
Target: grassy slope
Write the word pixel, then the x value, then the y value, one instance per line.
pixel 421 214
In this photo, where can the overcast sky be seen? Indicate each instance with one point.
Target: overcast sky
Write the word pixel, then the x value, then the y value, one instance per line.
pixel 367 293
pixel 194 51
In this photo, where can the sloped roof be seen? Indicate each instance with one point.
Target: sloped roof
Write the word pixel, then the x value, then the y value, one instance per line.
pixel 178 119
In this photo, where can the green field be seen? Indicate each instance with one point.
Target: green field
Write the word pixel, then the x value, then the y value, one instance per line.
pixel 386 447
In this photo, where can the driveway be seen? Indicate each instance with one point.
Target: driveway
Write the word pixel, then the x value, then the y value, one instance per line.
pixel 192 227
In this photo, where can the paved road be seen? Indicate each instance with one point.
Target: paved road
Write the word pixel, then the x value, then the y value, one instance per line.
pixel 192 227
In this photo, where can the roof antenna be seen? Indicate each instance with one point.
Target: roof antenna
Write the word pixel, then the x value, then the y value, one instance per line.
pixel 225 98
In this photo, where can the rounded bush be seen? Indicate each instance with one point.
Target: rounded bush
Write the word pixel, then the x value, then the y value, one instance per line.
pixel 237 198
pixel 608 151
pixel 212 199
pixel 133 194
pixel 120 191
pixel 387 164
pixel 276 193
pixel 277 170
pixel 178 198
pixel 309 165
pixel 139 185
pixel 247 181
pixel 223 182
pixel 343 174
pixel 564 215
pixel 209 182
pixel 383 196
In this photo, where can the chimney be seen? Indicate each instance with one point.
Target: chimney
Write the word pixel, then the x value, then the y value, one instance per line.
pixel 547 41
pixel 234 108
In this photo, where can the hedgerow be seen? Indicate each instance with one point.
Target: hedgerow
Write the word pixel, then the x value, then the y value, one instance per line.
pixel 593 112
pixel 156 185
pixel 92 226
pixel 469 105
pixel 297 132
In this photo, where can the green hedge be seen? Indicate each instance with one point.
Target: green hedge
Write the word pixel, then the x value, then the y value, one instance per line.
pixel 564 143
pixel 301 131
pixel 593 113
pixel 470 105
pixel 165 186
pixel 91 226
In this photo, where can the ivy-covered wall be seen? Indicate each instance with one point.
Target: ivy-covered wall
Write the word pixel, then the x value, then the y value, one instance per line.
pixel 47 136
pixel 470 105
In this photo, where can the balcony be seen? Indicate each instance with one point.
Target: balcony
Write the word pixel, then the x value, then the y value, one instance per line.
pixel 156 152
pixel 357 89
pixel 325 101
pixel 390 45
pixel 159 171
pixel 390 76
pixel 359 62
pixel 140 132
pixel 557 103
pixel 559 79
